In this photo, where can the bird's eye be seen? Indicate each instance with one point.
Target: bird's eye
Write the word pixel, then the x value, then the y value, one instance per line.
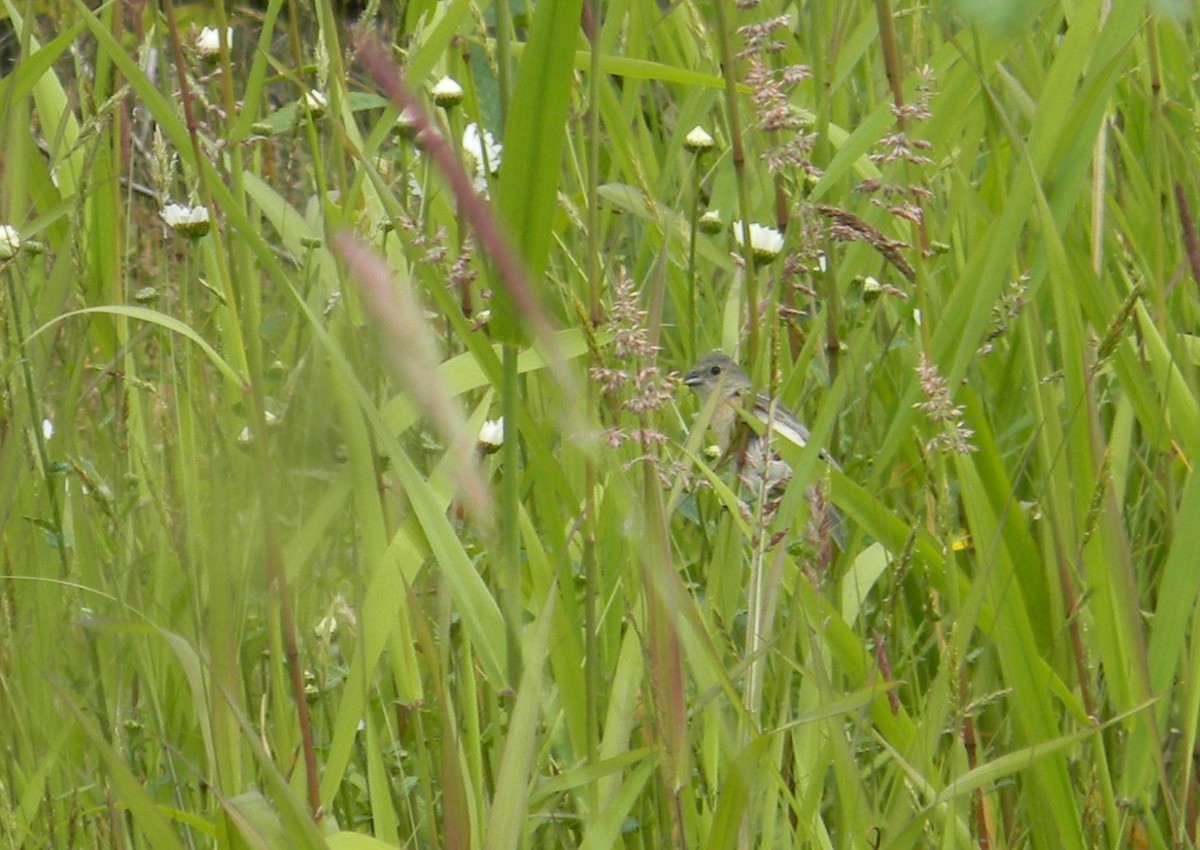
pixel 715 370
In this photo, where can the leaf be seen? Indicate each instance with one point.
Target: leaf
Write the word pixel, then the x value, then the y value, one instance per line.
pixel 162 320
pixel 533 140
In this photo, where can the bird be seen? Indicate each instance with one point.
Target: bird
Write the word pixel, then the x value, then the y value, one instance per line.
pixel 760 467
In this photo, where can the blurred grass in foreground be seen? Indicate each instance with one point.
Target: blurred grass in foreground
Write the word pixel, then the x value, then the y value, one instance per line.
pixel 215 496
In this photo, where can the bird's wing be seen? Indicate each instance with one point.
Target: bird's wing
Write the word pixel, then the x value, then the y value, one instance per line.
pixel 785 422
pixel 787 425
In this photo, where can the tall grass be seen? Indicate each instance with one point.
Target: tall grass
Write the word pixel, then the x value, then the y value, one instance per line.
pixel 261 588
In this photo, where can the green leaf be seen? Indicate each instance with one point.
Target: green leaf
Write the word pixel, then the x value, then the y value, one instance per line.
pixel 162 320
pixel 535 129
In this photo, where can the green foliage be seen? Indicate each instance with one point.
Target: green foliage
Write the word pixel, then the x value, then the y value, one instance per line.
pixel 254 593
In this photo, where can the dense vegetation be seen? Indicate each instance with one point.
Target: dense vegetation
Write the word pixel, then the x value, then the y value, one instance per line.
pixel 263 586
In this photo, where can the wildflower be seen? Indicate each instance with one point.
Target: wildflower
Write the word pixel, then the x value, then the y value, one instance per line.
pixel 47 429
pixel 447 93
pixel 191 222
pixel 483 147
pixel 698 140
pixel 482 155
pixel 10 241
pixel 711 223
pixel 491 435
pixel 316 102
pixel 208 43
pixel 766 243
pixel 406 123
pixel 246 437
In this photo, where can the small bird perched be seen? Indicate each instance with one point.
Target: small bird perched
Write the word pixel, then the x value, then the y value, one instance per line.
pixel 717 373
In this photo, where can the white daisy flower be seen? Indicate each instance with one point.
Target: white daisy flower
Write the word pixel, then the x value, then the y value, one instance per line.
pixel 476 145
pixel 447 93
pixel 766 243
pixel 208 43
pixel 698 140
pixel 711 223
pixel 10 241
pixel 316 102
pixel 406 123
pixel 482 146
pixel 491 435
pixel 188 221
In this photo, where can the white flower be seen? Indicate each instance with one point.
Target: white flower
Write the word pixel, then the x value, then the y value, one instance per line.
pixel 698 140
pixel 447 93
pixel 10 241
pixel 208 43
pixel 482 147
pixel 766 243
pixel 475 147
pixel 821 265
pixel 406 123
pixel 47 429
pixel 711 223
pixel 414 186
pixel 316 102
pixel 191 222
pixel 176 214
pixel 491 435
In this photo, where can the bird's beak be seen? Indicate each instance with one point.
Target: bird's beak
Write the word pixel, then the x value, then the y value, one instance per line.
pixel 693 379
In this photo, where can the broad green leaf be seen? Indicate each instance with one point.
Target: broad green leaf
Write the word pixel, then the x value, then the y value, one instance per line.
pixel 535 130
